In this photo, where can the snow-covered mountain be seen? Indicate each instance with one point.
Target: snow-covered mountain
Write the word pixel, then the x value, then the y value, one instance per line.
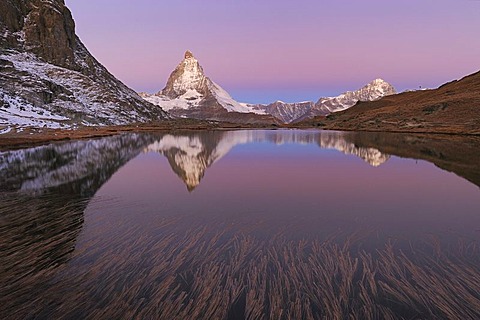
pixel 291 112
pixel 375 90
pixel 48 77
pixel 190 93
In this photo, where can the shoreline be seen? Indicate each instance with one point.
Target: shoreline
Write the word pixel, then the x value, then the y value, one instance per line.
pixel 28 137
pixel 384 130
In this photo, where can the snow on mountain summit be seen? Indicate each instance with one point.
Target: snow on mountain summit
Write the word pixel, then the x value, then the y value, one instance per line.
pixel 188 75
pixel 189 90
pixel 374 90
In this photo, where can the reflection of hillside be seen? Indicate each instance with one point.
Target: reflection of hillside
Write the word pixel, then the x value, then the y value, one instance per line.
pixel 457 154
pixel 331 140
pixel 340 141
pixel 43 194
pixel 191 154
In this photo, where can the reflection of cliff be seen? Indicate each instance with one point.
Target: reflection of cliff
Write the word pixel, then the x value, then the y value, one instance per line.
pixel 43 194
pixel 78 167
pixel 190 154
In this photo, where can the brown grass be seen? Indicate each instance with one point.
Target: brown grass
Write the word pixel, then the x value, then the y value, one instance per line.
pixel 453 108
pixel 215 272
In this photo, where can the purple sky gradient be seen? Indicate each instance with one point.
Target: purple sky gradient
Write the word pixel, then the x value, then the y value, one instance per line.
pixel 261 51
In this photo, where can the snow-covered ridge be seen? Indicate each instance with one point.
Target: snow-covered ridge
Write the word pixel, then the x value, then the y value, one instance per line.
pixel 70 96
pixel 290 112
pixel 190 76
pixel 374 90
pixel 49 79
pixel 189 92
pixel 20 113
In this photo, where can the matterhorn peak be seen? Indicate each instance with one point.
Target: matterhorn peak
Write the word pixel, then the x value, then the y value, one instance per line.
pixel 188 76
pixel 190 91
pixel 189 55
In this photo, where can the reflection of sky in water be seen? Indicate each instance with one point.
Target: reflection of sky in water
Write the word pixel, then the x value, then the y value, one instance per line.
pixel 309 188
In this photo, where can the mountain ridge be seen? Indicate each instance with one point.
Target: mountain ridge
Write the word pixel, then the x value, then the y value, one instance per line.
pixel 49 78
pixel 189 93
pixel 298 111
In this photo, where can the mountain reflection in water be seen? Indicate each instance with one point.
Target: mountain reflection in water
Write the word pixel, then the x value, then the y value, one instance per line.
pixel 53 255
pixel 190 155
pixel 83 166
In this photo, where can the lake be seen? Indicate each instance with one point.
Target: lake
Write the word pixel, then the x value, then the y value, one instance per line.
pixel 248 224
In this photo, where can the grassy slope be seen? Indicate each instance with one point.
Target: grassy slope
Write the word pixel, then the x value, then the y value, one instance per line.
pixel 452 108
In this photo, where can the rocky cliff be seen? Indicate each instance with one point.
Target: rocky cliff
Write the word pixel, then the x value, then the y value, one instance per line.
pixel 48 77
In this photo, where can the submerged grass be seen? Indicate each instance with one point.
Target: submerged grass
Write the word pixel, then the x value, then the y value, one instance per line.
pixel 216 271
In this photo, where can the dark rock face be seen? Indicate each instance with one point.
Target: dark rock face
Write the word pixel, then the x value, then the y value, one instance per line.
pixel 45 28
pixel 11 22
pixel 48 77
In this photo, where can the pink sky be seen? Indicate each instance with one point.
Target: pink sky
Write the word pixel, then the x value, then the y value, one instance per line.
pixel 261 51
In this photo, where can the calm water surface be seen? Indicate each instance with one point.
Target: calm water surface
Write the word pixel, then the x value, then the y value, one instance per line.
pixel 242 225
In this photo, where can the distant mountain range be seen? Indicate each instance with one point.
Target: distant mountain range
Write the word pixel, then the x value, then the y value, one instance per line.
pixel 452 108
pixel 49 79
pixel 190 93
pixel 293 112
